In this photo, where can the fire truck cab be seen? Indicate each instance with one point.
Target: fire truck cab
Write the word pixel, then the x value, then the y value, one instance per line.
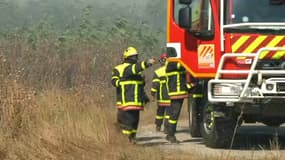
pixel 234 52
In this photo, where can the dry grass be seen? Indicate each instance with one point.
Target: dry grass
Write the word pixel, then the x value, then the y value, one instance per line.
pixel 57 124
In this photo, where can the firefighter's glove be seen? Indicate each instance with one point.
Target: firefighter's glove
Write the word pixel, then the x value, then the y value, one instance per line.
pixel 191 87
pixel 153 96
pixel 151 61
pixel 153 99
pixel 145 99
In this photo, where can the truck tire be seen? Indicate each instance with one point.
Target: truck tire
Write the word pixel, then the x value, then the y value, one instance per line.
pixel 194 118
pixel 217 132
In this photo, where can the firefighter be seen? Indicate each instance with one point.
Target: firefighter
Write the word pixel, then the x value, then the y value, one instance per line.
pixel 159 92
pixel 129 83
pixel 177 91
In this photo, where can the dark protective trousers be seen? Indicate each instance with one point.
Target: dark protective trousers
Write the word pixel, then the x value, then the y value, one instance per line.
pixel 128 121
pixel 175 109
pixel 162 116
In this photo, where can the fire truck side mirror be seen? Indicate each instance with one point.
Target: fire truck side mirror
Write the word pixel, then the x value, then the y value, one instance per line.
pixel 185 2
pixel 185 17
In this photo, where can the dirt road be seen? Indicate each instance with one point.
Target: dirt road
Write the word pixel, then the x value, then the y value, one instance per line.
pixel 252 142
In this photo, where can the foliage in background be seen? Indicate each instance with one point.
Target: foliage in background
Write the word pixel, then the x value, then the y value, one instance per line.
pixel 77 41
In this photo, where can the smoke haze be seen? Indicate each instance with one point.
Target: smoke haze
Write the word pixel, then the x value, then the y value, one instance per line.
pixel 23 13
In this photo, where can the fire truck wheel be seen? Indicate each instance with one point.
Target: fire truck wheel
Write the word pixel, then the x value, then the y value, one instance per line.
pixel 216 132
pixel 194 119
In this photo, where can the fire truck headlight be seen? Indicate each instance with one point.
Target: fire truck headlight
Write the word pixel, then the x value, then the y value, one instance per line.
pixel 227 90
pixel 282 66
pixel 269 87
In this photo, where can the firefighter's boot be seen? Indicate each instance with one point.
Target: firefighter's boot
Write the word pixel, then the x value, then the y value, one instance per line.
pixel 171 129
pixel 132 138
pixel 172 139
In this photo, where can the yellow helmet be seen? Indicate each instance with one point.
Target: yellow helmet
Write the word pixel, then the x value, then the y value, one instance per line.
pixel 130 51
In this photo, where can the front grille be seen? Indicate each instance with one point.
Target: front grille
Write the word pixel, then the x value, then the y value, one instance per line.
pixel 269 65
pixel 280 87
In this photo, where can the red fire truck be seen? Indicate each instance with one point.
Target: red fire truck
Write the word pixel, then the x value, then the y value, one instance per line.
pixel 234 51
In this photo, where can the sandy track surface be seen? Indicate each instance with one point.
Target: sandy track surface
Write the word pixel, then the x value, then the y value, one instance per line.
pixel 251 142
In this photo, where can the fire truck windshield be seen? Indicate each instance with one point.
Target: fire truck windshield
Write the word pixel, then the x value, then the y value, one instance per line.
pixel 254 11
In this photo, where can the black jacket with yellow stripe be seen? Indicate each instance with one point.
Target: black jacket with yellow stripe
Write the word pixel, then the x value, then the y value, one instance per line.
pixel 176 80
pixel 129 83
pixel 159 87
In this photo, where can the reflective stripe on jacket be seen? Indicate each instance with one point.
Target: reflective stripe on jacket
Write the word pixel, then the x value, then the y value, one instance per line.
pixel 129 85
pixel 159 87
pixel 176 80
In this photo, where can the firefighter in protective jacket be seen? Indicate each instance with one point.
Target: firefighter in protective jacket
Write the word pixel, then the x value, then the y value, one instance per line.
pixel 159 92
pixel 129 82
pixel 177 91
